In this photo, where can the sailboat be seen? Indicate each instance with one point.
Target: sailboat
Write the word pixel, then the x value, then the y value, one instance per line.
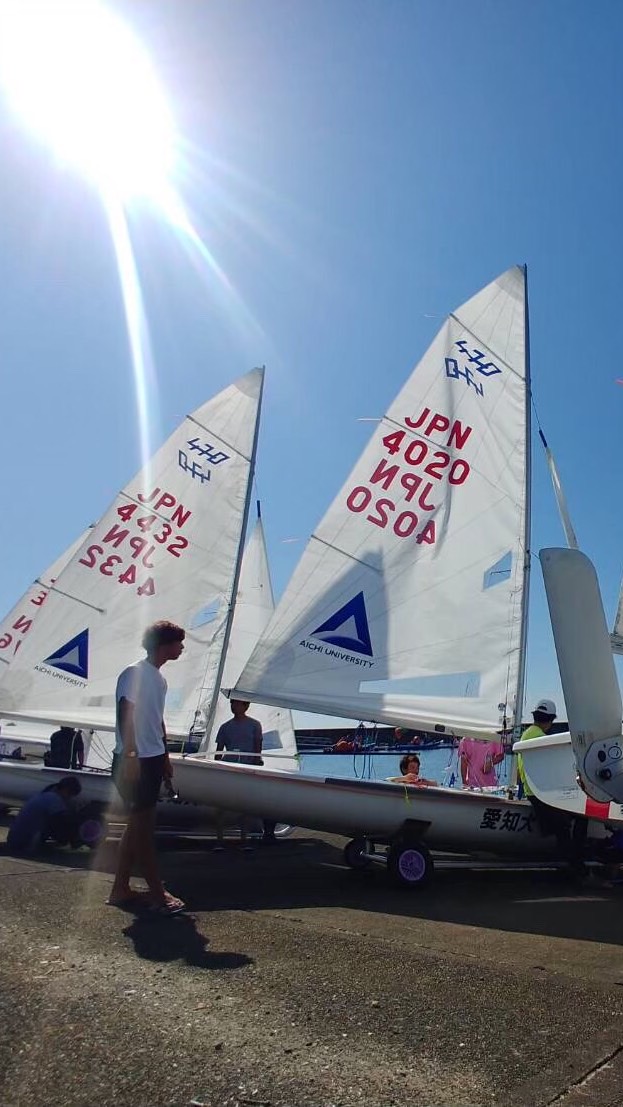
pixel 409 604
pixel 170 546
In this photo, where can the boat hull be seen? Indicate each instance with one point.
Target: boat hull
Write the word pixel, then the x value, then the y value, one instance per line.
pixel 444 818
pixel 19 781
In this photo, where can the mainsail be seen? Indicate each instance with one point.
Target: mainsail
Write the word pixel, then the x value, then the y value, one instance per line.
pixel 169 547
pixel 254 608
pixel 408 604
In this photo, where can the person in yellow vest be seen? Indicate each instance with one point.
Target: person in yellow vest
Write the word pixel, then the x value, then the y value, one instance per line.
pixel 543 715
pixel 570 832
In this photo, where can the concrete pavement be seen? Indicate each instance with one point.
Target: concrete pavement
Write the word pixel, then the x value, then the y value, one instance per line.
pixel 294 981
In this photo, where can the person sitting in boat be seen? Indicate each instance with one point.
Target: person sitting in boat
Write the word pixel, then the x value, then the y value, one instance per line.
pixel 66 749
pixel 410 770
pixel 477 761
pixel 48 815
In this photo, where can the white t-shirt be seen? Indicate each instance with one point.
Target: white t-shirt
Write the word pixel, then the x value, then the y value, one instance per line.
pixel 144 686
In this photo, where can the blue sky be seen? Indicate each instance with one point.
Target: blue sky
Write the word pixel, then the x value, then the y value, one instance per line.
pixel 355 167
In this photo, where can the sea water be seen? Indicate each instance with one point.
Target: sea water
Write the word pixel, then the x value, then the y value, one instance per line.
pixel 440 765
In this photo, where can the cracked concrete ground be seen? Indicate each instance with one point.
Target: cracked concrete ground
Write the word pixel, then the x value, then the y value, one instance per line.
pixel 294 981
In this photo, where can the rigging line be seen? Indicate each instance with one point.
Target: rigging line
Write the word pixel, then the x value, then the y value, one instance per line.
pixel 256 485
pixel 538 421
pixel 100 748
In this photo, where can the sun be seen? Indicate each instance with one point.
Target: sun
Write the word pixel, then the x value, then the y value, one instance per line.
pixel 78 78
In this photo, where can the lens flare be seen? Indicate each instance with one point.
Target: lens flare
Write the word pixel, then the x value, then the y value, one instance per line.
pixel 78 79
pixel 82 83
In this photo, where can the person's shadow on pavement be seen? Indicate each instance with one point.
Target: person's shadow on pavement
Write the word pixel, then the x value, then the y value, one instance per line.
pixel 177 938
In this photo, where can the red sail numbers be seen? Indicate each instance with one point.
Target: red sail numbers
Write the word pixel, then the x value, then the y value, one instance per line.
pixel 14 636
pixel 127 549
pixel 415 474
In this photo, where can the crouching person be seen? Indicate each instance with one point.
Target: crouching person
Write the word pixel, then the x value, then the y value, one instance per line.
pixel 50 815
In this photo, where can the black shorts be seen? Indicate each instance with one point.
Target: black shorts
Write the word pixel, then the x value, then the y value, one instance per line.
pixel 140 794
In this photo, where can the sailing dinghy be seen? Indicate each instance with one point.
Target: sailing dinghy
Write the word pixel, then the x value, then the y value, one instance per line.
pixel 409 604
pixel 170 546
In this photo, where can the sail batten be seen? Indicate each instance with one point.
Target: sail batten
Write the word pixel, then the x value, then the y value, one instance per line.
pixel 417 569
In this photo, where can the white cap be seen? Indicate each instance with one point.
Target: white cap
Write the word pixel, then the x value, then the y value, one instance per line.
pixel 546 707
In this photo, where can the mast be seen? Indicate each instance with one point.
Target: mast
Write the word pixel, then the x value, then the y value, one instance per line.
pixel 525 592
pixel 231 607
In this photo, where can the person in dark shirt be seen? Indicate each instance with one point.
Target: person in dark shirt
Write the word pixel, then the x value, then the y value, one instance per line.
pixel 239 740
pixel 49 814
pixel 66 749
pixel 240 737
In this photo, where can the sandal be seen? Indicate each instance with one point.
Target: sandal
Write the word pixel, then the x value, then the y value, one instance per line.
pixel 174 901
pixel 166 910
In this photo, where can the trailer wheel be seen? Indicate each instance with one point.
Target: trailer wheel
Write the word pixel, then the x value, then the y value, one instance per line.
pixel 353 854
pixel 92 824
pixel 410 864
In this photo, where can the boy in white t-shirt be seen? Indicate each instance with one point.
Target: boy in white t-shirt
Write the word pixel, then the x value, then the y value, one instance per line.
pixel 141 763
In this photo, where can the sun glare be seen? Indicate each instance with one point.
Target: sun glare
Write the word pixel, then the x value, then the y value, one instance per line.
pixel 80 80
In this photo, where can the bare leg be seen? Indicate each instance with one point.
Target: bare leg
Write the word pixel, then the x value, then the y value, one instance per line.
pixel 144 824
pixel 121 888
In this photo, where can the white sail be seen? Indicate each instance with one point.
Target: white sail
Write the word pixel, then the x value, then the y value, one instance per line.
pixel 407 604
pixel 168 548
pixel 255 605
pixel 18 622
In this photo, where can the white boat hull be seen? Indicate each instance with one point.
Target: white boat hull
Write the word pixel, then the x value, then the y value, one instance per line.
pixel 19 781
pixel 445 818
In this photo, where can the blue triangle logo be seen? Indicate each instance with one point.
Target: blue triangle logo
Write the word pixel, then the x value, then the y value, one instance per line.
pixel 73 657
pixel 355 612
